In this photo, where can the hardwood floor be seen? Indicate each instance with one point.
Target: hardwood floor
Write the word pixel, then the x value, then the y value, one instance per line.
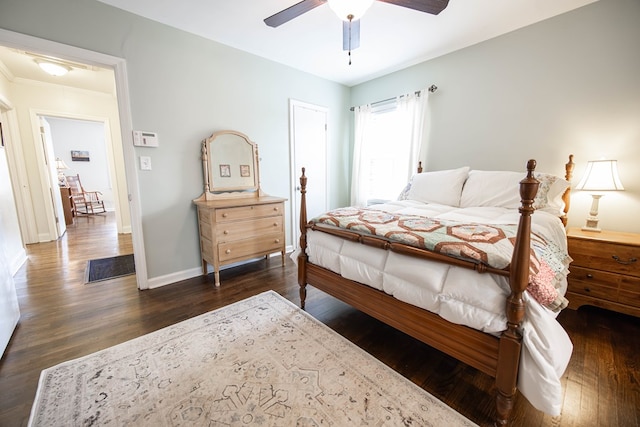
pixel 63 319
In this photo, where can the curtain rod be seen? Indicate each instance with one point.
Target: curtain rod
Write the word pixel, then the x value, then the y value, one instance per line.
pixel 431 89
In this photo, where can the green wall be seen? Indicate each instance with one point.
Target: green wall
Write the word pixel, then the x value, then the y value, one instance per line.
pixel 569 84
pixel 185 87
pixel 566 85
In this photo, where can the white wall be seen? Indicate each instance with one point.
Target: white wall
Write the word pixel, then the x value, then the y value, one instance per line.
pixel 567 85
pixel 85 135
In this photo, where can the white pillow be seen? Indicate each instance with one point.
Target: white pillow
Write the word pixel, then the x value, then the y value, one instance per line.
pixel 442 187
pixel 492 188
pixel 550 191
pixel 502 189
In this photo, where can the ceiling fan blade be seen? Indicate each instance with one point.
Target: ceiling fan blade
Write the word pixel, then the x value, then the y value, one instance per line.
pixel 433 7
pixel 294 11
pixel 350 36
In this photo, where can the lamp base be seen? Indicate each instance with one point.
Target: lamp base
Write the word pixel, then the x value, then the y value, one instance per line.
pixel 592 225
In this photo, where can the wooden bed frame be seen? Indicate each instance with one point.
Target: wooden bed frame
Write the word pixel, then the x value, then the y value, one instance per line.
pixel 498 357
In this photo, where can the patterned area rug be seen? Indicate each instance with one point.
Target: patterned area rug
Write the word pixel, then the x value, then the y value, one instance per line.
pixel 109 268
pixel 260 362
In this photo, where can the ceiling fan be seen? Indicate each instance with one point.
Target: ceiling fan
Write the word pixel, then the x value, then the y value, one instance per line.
pixel 350 11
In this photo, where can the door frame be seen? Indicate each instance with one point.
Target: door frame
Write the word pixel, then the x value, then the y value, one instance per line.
pixel 119 66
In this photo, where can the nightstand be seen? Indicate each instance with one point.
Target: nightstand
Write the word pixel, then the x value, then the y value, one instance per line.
pixel 605 271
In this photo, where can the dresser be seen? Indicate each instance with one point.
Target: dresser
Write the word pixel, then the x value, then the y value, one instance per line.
pixel 233 230
pixel 605 271
pixel 237 220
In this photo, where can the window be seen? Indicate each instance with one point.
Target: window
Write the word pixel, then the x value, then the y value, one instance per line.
pixel 387 144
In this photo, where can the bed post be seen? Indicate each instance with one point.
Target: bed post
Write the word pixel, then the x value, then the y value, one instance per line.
pixel 511 338
pixel 566 197
pixel 302 256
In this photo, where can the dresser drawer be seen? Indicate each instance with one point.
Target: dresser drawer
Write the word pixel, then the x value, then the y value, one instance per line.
pixel 611 257
pixel 593 289
pixel 230 231
pixel 247 212
pixel 257 246
pixel 588 275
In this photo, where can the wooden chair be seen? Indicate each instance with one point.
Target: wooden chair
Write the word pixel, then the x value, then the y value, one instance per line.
pixel 85 202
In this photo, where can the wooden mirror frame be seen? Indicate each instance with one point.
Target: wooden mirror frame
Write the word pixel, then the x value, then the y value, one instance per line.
pixel 224 156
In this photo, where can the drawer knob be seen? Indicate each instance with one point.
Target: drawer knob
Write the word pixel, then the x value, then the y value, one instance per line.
pixel 589 276
pixel 275 209
pixel 587 289
pixel 228 251
pixel 224 215
pixel 275 224
pixel 226 231
pixel 628 262
pixel 277 240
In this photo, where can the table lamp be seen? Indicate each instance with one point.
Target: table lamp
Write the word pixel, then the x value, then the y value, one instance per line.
pixel 599 176
pixel 61 165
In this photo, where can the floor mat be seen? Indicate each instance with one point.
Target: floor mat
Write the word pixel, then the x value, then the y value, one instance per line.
pixel 109 268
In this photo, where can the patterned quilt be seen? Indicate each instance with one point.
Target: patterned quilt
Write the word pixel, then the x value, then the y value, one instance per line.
pixel 488 244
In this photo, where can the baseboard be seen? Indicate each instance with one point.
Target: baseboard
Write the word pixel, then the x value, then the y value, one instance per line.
pixel 171 278
pixel 179 276
pixel 18 260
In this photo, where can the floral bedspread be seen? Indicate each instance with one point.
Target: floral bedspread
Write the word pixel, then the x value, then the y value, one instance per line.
pixel 488 244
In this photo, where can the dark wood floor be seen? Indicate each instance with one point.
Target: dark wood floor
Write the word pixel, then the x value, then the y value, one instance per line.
pixel 63 319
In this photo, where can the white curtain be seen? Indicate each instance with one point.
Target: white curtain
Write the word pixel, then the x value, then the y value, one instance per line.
pixel 410 114
pixel 360 169
pixel 412 108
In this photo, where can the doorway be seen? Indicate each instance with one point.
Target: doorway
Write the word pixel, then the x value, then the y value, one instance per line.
pixel 125 173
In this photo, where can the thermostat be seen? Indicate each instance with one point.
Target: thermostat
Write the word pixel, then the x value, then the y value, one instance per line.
pixel 145 139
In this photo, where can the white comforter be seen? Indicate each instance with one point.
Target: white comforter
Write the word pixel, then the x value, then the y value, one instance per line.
pixel 461 295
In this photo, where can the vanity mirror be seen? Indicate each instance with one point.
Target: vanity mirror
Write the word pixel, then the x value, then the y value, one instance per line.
pixel 230 166
pixel 236 220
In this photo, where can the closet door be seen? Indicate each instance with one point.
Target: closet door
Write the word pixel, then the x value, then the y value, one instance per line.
pixel 309 150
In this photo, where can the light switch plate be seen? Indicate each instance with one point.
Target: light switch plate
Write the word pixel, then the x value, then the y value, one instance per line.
pixel 145 163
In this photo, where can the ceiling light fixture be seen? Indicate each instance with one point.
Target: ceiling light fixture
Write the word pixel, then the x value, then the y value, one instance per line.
pixel 53 68
pixel 350 10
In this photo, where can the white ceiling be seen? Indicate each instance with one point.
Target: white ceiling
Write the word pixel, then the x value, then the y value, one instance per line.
pixel 391 37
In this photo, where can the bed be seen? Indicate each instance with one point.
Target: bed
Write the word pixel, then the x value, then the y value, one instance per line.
pixel 470 262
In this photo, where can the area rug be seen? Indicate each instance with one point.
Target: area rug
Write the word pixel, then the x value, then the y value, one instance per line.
pixel 109 268
pixel 261 362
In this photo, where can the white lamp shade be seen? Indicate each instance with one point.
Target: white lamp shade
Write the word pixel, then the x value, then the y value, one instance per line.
pixel 344 8
pixel 60 164
pixel 601 175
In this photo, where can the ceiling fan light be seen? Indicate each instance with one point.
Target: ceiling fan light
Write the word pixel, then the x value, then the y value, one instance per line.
pixel 53 69
pixel 346 8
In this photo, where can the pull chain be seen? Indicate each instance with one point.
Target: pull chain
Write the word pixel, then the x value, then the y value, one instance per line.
pixel 350 17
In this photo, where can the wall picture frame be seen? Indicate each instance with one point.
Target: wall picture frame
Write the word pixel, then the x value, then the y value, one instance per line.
pixel 80 156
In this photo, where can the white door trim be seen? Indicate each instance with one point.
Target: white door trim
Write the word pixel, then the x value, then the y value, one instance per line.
pixel 119 66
